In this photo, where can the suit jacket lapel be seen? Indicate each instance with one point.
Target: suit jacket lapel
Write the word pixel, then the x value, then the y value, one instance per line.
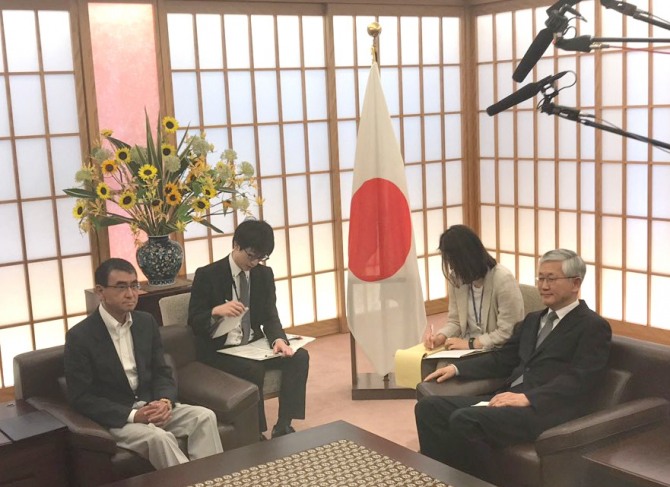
pixel 106 348
pixel 566 323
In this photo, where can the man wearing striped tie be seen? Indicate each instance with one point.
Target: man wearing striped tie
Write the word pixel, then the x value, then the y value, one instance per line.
pixel 552 362
pixel 237 286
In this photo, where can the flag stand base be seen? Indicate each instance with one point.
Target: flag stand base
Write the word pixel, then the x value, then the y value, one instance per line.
pixel 374 386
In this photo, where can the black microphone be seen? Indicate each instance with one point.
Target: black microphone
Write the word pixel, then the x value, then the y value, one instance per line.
pixel 580 43
pixel 623 7
pixel 556 23
pixel 525 93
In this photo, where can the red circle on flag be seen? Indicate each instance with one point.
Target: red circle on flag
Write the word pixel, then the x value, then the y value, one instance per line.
pixel 380 230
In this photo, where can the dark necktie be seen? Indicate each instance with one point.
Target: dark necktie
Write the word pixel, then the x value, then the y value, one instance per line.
pixel 546 329
pixel 244 297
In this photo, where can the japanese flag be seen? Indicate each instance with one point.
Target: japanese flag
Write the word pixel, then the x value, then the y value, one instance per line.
pixel 385 307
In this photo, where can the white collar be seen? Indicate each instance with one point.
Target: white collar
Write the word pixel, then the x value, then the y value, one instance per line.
pixel 111 323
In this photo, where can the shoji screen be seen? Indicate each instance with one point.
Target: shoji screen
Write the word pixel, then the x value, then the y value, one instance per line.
pixel 547 182
pixel 421 77
pixel 45 263
pixel 257 83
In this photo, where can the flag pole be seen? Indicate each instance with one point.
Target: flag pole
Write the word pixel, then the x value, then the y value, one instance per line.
pixel 371 385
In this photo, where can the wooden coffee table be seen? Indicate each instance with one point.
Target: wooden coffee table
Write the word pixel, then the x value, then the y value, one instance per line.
pixel 268 451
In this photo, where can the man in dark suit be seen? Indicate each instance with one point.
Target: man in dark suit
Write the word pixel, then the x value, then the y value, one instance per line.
pixel 552 362
pixel 219 290
pixel 116 375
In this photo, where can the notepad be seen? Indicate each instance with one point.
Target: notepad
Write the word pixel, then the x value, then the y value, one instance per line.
pixel 228 324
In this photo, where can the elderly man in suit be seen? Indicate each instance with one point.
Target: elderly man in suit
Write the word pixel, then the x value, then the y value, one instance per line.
pixel 116 375
pixel 552 362
pixel 237 286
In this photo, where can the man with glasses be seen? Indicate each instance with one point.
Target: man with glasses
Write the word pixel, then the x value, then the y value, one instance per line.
pixel 116 375
pixel 237 286
pixel 553 361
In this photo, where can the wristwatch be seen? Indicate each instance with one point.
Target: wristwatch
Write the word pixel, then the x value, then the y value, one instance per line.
pixel 471 343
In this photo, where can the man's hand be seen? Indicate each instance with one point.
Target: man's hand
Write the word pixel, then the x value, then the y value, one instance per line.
pixel 442 374
pixel 509 399
pixel 156 412
pixel 229 308
pixel 282 348
pixel 456 344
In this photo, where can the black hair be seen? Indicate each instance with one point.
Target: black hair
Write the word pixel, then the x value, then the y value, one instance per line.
pixel 463 254
pixel 114 264
pixel 256 235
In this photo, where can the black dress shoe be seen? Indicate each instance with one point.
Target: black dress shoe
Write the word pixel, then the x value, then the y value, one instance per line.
pixel 278 431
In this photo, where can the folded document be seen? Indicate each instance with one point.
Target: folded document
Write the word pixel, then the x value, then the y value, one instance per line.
pixel 261 350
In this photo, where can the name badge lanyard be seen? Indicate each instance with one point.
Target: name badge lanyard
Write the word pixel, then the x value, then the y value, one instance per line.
pixel 478 316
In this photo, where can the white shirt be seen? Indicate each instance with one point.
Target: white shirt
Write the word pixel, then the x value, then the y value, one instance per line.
pixel 234 336
pixel 560 313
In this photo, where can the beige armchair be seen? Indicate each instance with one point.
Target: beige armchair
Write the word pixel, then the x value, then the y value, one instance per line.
pixel 174 311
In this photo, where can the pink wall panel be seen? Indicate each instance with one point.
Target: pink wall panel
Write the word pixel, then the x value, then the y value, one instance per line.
pixel 126 84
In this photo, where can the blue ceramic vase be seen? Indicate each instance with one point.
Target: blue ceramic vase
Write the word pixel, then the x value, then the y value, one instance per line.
pixel 160 259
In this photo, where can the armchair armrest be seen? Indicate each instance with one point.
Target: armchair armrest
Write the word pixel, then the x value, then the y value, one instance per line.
pixel 83 432
pixel 459 387
pixel 602 425
pixel 215 389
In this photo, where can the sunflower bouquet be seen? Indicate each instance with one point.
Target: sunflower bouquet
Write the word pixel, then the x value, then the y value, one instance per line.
pixel 160 188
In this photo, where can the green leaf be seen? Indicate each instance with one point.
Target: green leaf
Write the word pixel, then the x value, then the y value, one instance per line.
pixel 81 193
pixel 209 225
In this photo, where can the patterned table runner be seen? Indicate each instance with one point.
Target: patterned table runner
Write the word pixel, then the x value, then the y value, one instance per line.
pixel 341 463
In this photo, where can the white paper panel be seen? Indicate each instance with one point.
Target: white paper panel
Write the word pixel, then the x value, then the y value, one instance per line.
pixel 586 85
pixel 279 258
pixel 326 290
pixel 388 42
pixel 567 185
pixel 636 190
pixel 546 225
pixel 4 113
pixel 660 236
pixel 411 91
pixel 661 182
pixel 488 234
pixel 38 229
pixel 421 262
pixel 77 275
pixel 312 29
pixel 523 32
pixel 20 40
pixel 612 293
pixel 346 181
pixel 452 89
pixel 453 175
pixel 214 110
pixel 241 108
pixel 587 186
pixel 296 200
pixel 303 296
pixel 588 143
pixel 323 247
pixel 300 251
pixel 486 136
pixel 612 233
pixel 430 40
pixel 432 138
pixel 506 182
pixel 13 341
pixel 567 224
pixel 11 234
pixel 452 136
pixel 288 36
pixel 431 89
pixel 181 39
pixel 546 185
pixel 412 139
pixel 588 290
pixel 294 147
pixel 525 134
pixel 343 30
pixel 65 156
pixel 612 70
pixel 319 159
pixel 505 134
pixel 636 298
pixel 588 232
pixel 508 261
pixel 526 231
pixel 505 85
pixel 484 38
pixel 45 290
pixel 637 123
pixel 409 47
pixel 31 155
pixel 321 197
pixel 291 95
pixel 526 183
pixel 507 229
pixel 418 230
pixel 273 208
pixel 451 40
pixel 545 136
pixel 363 46
pixel 636 244
pixel 454 216
pixel 61 103
pixel 526 270
pixel 196 230
pixel 72 240
pixel 236 30
pixel 661 118
pixel 13 283
pixel 315 94
pixel 661 78
pixel 49 333
pixel 196 253
pixel 283 303
pixel 637 77
pixel 485 93
pixel 436 281
pixel 504 35
pixel 434 180
pixel 389 79
pixel 567 140
pixel 660 290
pixel 269 150
pixel 55 40
pixel 414 187
pixel 26 103
pixel 344 82
pixel 210 41
pixel 221 246
pixel 186 104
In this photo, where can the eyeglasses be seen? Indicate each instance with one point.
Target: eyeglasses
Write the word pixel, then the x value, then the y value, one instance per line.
pixel 253 257
pixel 133 286
pixel 551 280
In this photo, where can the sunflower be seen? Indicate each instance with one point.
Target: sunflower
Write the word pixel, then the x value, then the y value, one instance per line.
pixel 173 199
pixel 209 191
pixel 170 124
pixel 103 191
pixel 200 205
pixel 79 209
pixel 108 167
pixel 127 199
pixel 123 155
pixel 106 132
pixel 170 188
pixel 147 172
pixel 156 204
pixel 167 149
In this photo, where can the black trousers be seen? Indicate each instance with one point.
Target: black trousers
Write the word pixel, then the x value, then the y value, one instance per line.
pixel 292 393
pixel 454 432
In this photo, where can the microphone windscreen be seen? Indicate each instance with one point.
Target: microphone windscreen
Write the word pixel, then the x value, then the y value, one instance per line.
pixel 533 54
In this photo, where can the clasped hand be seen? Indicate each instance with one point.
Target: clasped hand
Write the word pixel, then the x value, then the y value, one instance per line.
pixel 155 412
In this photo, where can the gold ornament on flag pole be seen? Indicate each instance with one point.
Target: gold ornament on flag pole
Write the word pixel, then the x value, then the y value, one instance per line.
pixel 374 29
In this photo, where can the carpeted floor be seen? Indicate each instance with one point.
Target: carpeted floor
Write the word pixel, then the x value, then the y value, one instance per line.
pixel 329 396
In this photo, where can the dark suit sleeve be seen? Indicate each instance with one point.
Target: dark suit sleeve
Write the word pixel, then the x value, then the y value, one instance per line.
pixel 162 382
pixel 201 304
pixel 586 368
pixel 267 315
pixel 79 375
